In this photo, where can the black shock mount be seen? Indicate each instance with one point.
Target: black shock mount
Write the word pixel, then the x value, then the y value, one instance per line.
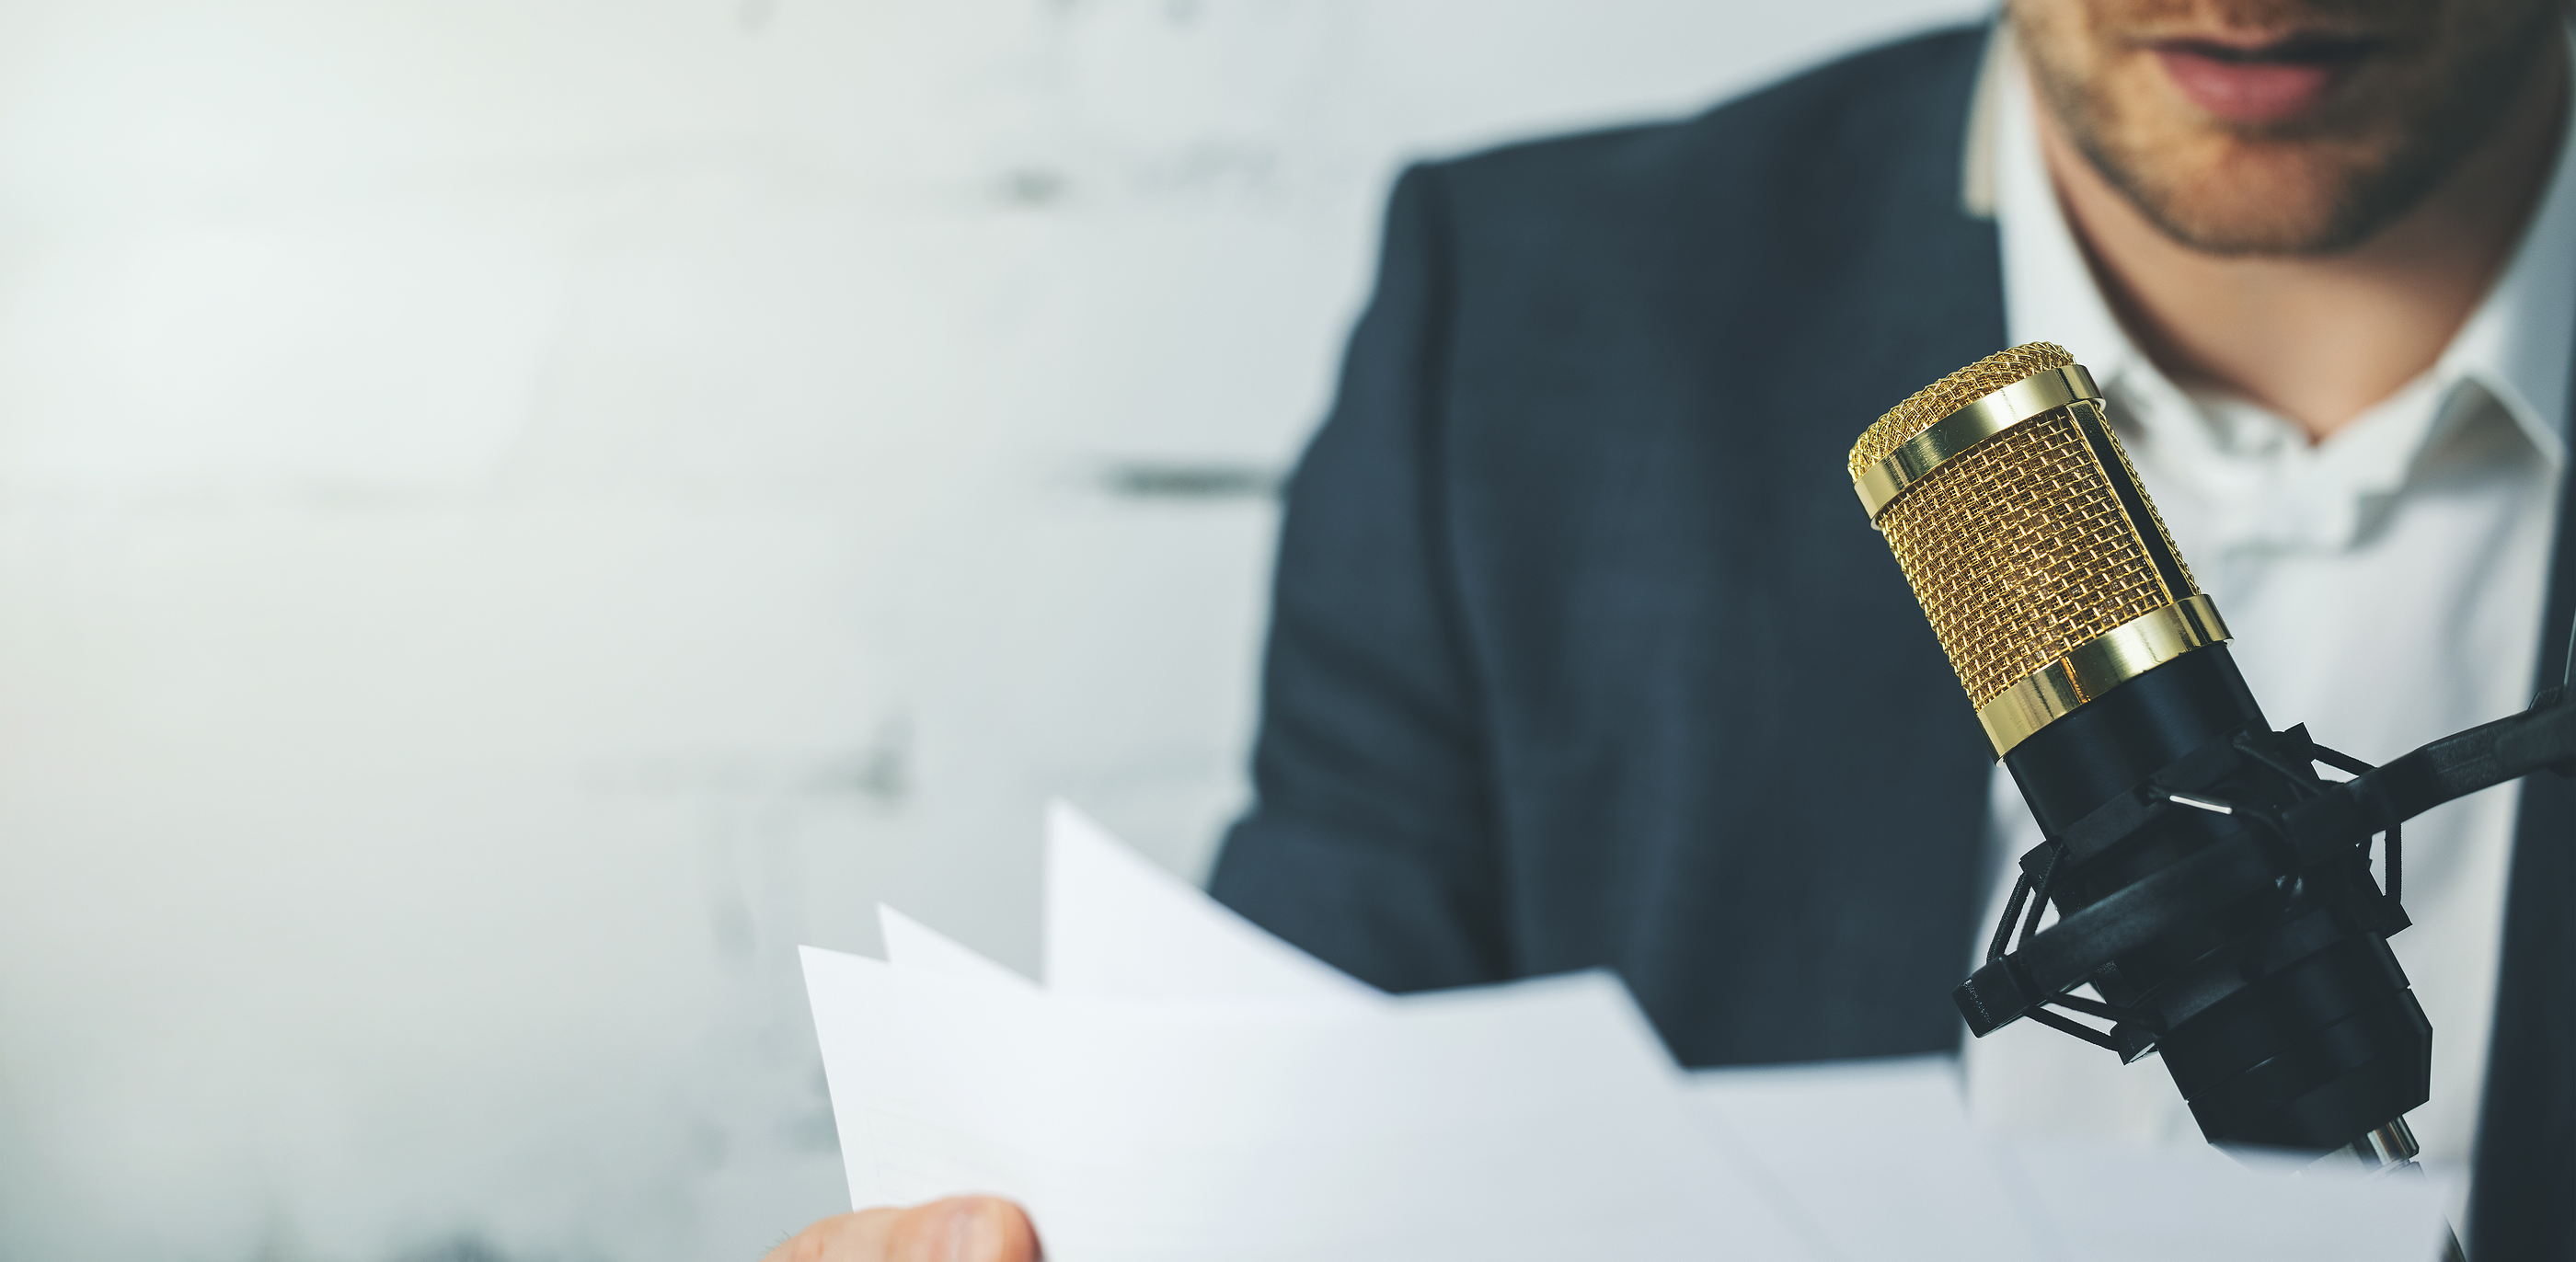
pixel 2217 894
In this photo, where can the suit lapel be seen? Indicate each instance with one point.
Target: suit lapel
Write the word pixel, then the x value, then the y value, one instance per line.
pixel 2525 1198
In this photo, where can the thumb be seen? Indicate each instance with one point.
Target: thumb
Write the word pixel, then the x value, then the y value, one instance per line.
pixel 962 1229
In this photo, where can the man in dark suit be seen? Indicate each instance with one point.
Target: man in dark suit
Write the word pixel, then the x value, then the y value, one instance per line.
pixel 1583 654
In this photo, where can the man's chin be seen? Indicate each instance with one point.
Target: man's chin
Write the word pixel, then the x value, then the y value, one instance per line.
pixel 2243 198
pixel 2245 222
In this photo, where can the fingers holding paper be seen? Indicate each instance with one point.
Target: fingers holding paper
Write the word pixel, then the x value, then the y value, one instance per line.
pixel 958 1229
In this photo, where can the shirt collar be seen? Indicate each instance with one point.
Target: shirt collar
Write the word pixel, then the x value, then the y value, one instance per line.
pixel 2516 347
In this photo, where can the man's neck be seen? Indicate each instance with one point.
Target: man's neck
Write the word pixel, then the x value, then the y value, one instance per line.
pixel 2319 340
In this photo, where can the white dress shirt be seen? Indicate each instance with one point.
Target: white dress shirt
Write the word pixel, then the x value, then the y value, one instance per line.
pixel 2385 587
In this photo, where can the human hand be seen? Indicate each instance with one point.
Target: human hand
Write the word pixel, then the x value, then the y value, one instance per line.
pixel 959 1229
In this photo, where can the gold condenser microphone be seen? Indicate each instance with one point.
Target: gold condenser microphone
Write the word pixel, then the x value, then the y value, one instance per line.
pixel 2101 675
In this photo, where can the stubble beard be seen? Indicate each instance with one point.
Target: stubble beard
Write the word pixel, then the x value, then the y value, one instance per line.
pixel 2314 188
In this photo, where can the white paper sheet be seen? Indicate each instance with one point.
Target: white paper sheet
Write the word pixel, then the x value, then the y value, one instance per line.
pixel 2124 1204
pixel 1116 925
pixel 1870 1153
pixel 1186 1086
pixel 1531 1121
pixel 1878 1159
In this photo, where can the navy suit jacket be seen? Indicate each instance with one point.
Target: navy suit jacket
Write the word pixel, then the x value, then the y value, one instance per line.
pixel 1583 652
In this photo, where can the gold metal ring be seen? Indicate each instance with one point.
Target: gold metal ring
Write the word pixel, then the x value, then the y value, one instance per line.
pixel 1917 457
pixel 2099 665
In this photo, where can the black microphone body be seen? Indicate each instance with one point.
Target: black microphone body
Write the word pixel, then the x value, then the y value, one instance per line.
pixel 2280 1013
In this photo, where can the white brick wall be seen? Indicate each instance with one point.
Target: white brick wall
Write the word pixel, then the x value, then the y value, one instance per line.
pixel 515 513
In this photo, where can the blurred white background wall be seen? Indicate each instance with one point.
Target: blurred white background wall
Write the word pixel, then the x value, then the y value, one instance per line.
pixel 515 513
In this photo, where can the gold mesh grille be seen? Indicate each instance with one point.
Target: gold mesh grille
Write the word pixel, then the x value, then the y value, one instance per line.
pixel 1929 404
pixel 2018 550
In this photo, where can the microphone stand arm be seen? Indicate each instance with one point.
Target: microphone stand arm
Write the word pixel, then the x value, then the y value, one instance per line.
pixel 2542 738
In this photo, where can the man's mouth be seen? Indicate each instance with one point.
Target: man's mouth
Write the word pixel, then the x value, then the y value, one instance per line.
pixel 2269 82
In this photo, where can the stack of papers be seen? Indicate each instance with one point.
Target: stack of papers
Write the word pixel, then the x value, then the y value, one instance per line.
pixel 1186 1086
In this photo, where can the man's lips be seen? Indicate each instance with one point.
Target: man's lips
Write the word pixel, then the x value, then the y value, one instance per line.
pixel 2259 83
